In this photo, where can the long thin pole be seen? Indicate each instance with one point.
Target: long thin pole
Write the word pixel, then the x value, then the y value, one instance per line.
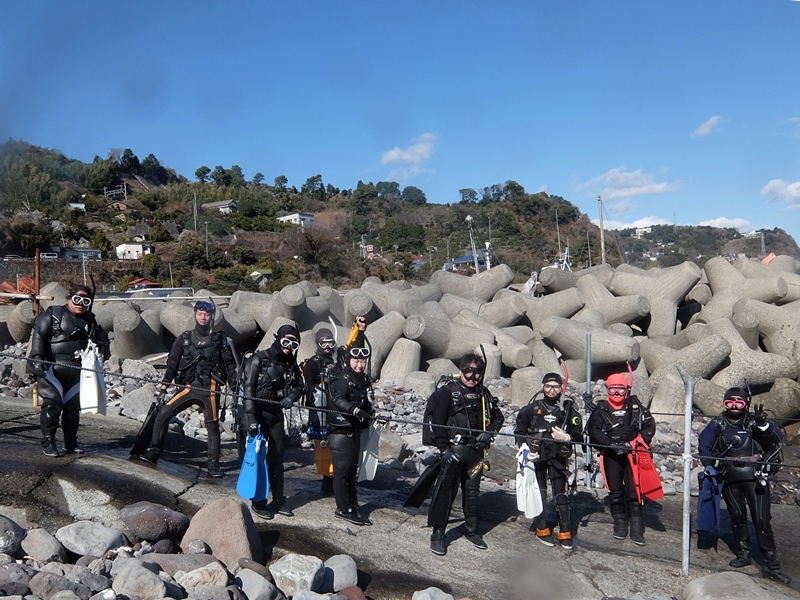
pixel 687 471
pixel 602 232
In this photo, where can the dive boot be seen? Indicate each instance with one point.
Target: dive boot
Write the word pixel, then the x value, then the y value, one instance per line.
pixel 772 568
pixel 438 545
pixel 545 536
pixel 637 531
pixel 620 527
pixel 742 556
pixel 49 447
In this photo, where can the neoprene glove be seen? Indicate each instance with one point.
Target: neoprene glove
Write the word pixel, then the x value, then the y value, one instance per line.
pixel 286 403
pixel 253 430
pixel 759 415
pixel 161 399
pixel 37 368
pixel 484 440
pixel 448 456
pixel 624 449
pixel 360 414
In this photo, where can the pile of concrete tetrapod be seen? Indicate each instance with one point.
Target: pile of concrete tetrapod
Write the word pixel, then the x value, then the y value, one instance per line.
pixel 723 325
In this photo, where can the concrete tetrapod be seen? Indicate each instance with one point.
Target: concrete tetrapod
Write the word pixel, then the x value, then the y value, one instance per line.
pixel 453 304
pixel 20 321
pixel 569 338
pixel 403 359
pixel 756 270
pixel 481 287
pixel 615 309
pixel 134 336
pixel 729 286
pixel 388 299
pixel 503 312
pixel 561 304
pixel 779 326
pixel 755 366
pixel 664 293
pixel 382 335
pixel 514 353
pixel 444 339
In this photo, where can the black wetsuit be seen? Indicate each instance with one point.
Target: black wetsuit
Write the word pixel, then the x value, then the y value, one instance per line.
pixel 460 409
pixel 273 376
pixel 727 439
pixel 534 427
pixel 349 391
pixel 59 335
pixel 202 362
pixel 610 427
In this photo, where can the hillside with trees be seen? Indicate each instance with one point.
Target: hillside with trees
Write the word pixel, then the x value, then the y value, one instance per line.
pixel 48 199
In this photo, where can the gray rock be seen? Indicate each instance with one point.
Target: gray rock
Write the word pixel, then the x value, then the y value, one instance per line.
pixel 65 595
pixel 11 535
pixel 108 594
pixel 340 572
pixel 140 369
pixel 247 563
pixel 153 522
pixel 729 585
pixel 212 574
pixel 88 537
pixel 15 578
pixel 209 592
pixel 134 581
pixel 257 587
pixel 43 546
pixel 198 547
pixel 296 572
pixel 431 593
pixel 136 403
pixel 44 585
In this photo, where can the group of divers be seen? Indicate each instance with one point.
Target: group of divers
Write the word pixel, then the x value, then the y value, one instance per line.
pixel 739 449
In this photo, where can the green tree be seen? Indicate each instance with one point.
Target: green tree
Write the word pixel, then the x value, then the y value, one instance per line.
pixel 228 280
pixel 159 233
pixel 386 188
pixel 129 162
pixel 221 176
pixel 243 255
pixel 281 181
pixel 99 240
pixel 151 267
pixel 414 195
pixel 258 179
pixel 314 187
pixel 202 174
pixel 237 177
pixel 468 196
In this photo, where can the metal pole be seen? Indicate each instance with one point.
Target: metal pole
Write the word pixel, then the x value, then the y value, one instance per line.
pixel 591 474
pixel 602 233
pixel 687 471
pixel 206 241
pixel 83 259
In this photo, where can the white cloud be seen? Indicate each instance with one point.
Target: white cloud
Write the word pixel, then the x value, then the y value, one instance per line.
pixel 778 189
pixel 743 225
pixel 420 150
pixel 707 127
pixel 643 222
pixel 619 183
pixel 796 122
pixel 403 174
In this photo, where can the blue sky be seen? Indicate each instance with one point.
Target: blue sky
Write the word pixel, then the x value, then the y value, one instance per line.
pixel 680 111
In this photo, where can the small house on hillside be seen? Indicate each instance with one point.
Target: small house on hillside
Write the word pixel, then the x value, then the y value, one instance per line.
pixel 226 207
pixel 302 219
pixel 261 276
pixel 131 251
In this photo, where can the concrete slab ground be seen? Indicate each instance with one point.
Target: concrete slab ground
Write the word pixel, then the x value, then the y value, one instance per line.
pixel 393 556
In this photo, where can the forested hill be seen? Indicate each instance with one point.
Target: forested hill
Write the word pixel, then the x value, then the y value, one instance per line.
pixel 526 230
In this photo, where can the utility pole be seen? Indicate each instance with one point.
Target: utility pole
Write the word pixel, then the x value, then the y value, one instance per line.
pixel 83 260
pixel 602 233
pixel 195 212
pixel 206 241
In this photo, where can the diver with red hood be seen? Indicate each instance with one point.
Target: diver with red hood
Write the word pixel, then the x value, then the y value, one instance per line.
pixel 743 449
pixel 613 425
